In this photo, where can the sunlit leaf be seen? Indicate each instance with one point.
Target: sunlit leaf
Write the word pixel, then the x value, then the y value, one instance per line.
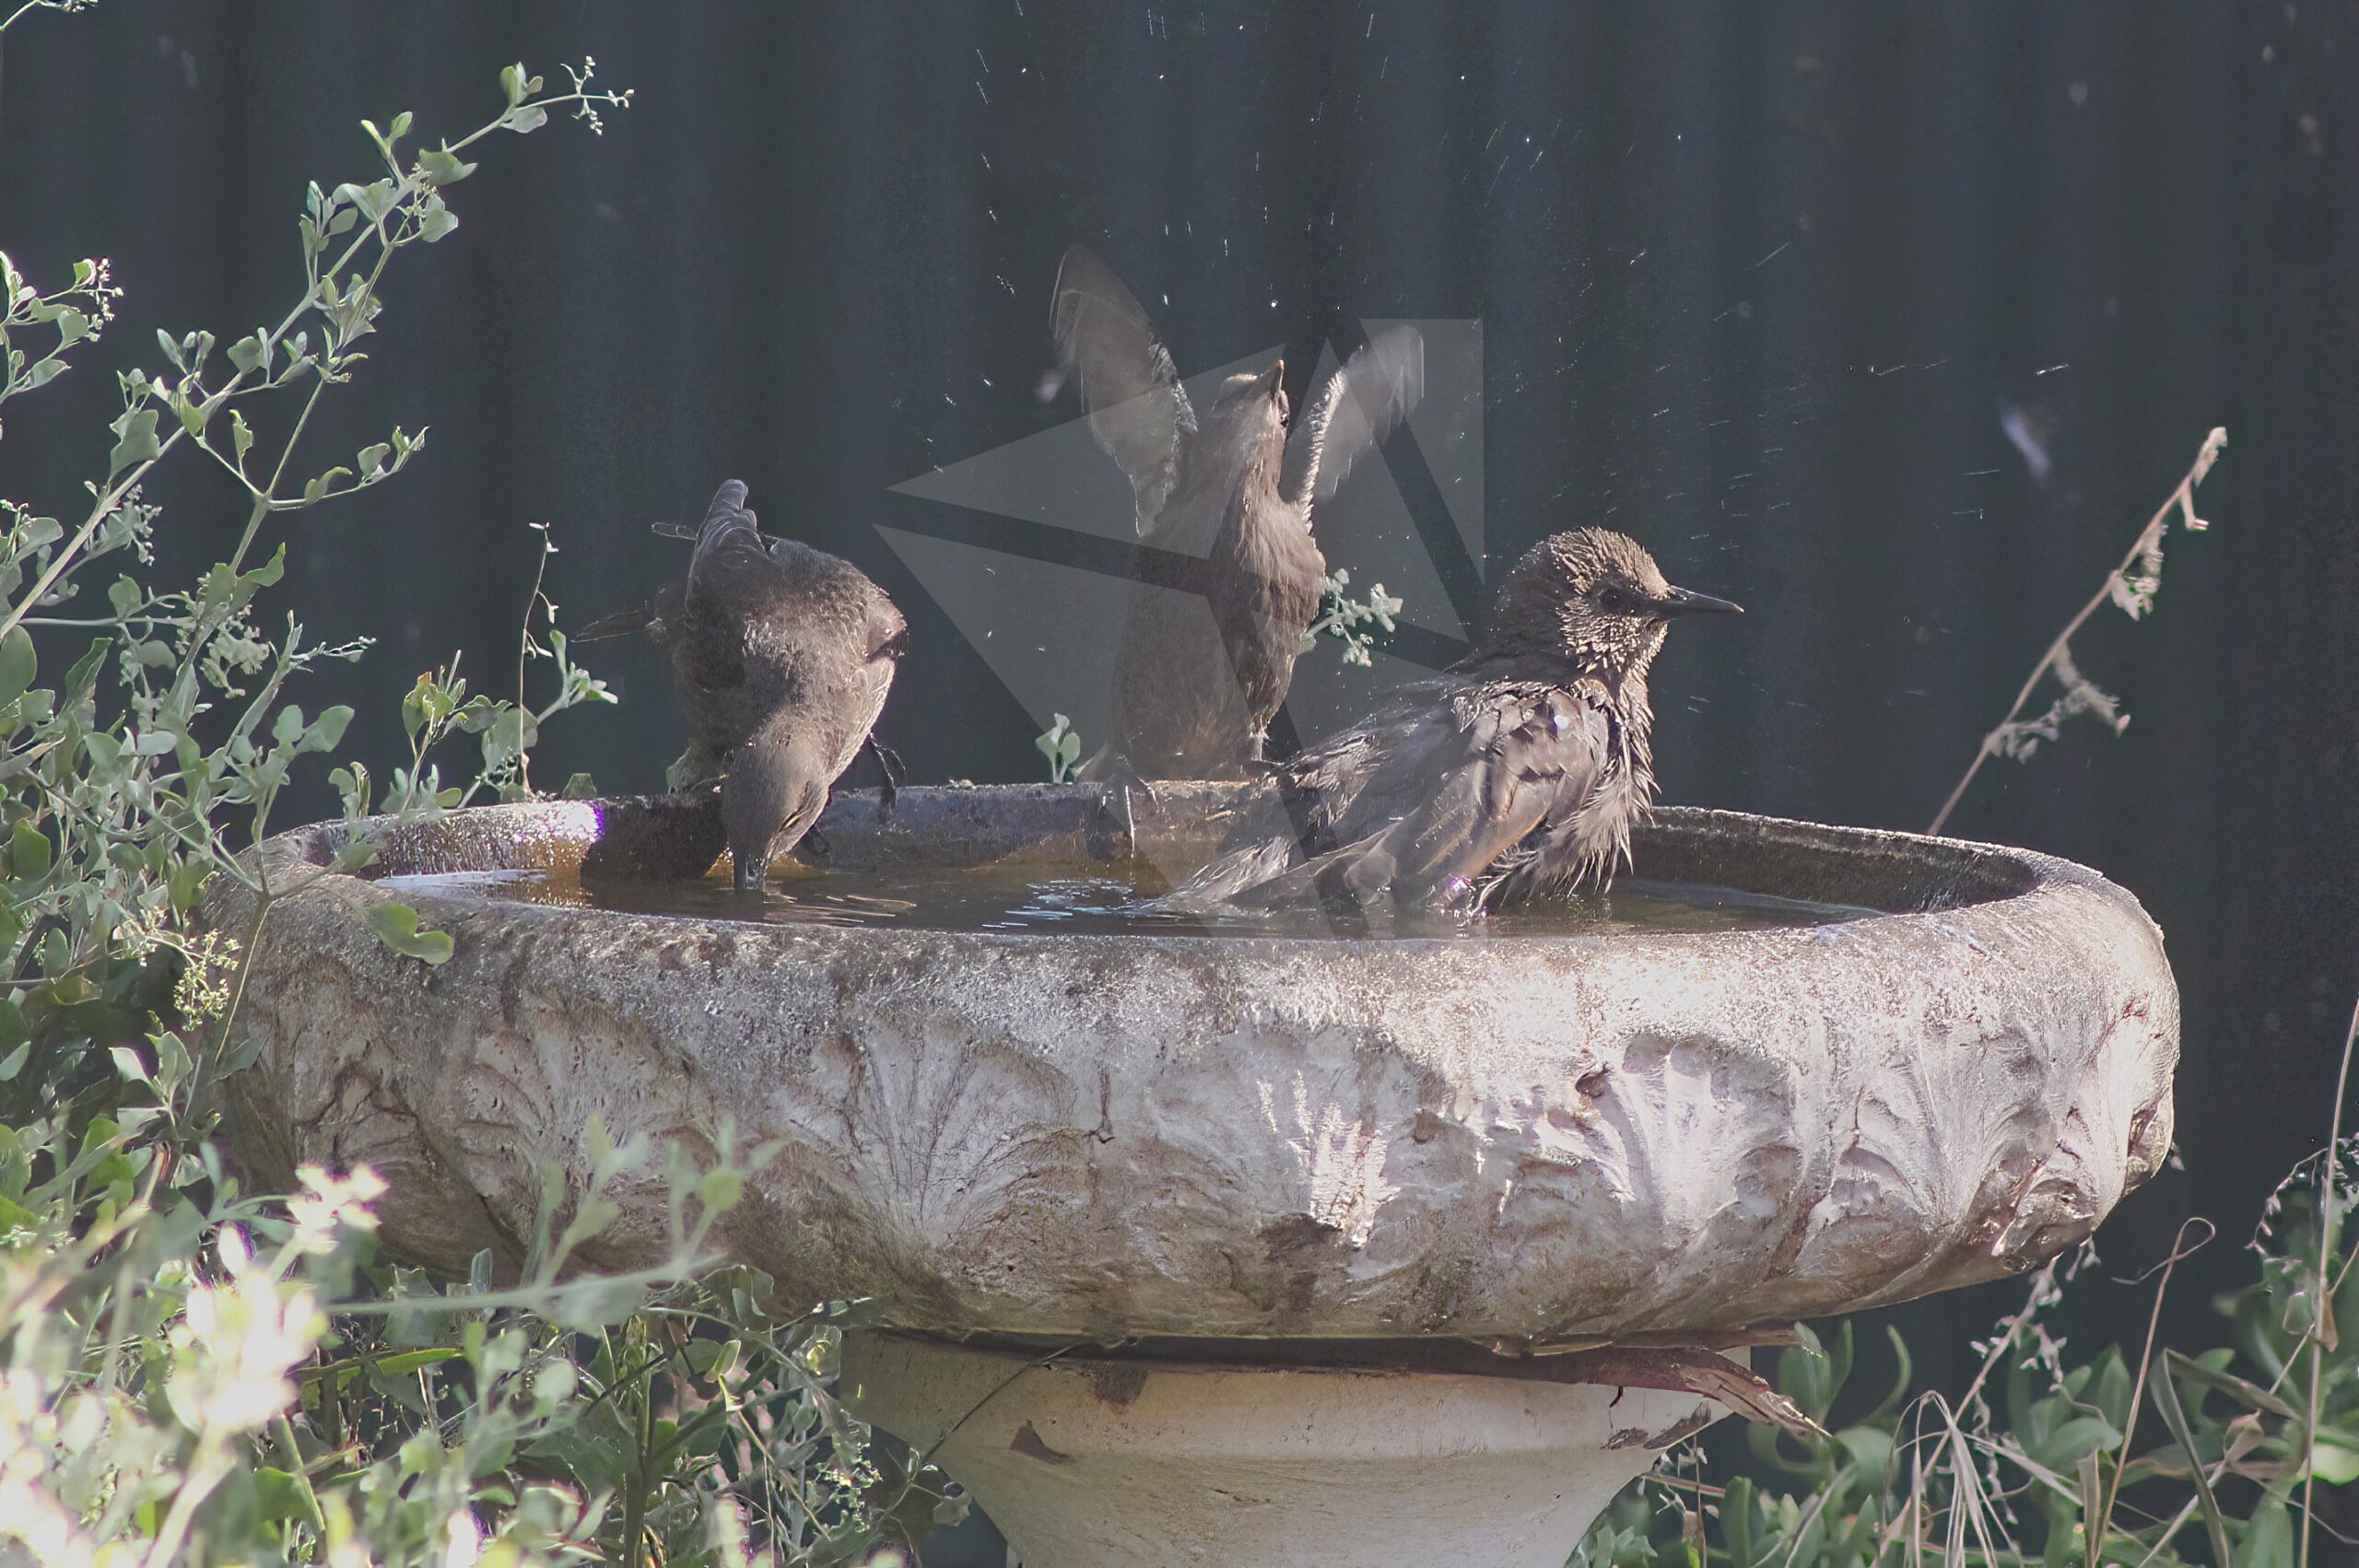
pixel 2335 1459
pixel 442 167
pixel 396 927
pixel 18 665
pixel 282 1496
pixel 134 441
pixel 29 853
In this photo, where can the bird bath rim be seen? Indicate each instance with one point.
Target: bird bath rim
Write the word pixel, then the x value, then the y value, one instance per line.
pixel 1075 828
pixel 1112 1136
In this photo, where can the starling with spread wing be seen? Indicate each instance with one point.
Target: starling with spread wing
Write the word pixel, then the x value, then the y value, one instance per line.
pixel 1226 575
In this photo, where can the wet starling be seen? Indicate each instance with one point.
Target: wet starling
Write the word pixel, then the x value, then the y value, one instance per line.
pixel 1223 517
pixel 1522 767
pixel 781 655
pixel 696 765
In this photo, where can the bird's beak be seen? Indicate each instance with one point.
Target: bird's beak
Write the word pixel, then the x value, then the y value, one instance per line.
pixel 1686 602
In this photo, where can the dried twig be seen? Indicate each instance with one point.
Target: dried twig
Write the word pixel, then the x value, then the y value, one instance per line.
pixel 2130 588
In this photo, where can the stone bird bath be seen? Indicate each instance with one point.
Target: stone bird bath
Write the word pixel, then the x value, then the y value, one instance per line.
pixel 1357 1252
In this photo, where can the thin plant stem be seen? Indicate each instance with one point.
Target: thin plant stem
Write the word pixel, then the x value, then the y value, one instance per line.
pixel 643 1439
pixel 2179 1249
pixel 211 1468
pixel 2043 1286
pixel 21 12
pixel 2322 1310
pixel 524 655
pixel 532 1298
pixel 2187 1510
pixel 2181 499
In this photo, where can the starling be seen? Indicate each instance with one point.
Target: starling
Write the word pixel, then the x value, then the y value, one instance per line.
pixel 782 656
pixel 1521 769
pixel 697 766
pixel 1223 517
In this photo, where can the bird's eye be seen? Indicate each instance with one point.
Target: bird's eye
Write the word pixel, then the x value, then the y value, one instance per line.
pixel 1612 598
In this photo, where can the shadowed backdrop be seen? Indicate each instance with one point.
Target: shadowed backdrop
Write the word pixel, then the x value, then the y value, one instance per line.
pixel 1767 286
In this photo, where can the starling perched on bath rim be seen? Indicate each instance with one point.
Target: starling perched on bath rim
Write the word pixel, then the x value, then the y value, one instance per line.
pixel 782 656
pixel 1524 767
pixel 1223 520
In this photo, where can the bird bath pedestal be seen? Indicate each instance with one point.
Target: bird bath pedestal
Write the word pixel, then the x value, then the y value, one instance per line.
pixel 1251 1251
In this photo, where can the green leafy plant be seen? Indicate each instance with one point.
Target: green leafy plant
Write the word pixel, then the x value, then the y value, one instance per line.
pixel 1062 746
pixel 2172 1461
pixel 441 705
pixel 1348 619
pixel 192 1371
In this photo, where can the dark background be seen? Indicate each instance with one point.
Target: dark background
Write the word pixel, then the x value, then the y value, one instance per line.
pixel 1757 282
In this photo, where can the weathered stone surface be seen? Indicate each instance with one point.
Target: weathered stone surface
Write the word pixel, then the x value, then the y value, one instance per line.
pixel 1104 1135
pixel 1095 1464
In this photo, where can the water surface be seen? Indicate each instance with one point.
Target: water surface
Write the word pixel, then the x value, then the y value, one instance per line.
pixel 1029 899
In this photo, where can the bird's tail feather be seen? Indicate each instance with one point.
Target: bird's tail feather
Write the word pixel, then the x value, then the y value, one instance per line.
pixel 1225 880
pixel 1273 874
pixel 622 623
pixel 1351 877
pixel 727 523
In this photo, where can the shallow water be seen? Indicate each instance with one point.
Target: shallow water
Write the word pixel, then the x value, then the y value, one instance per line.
pixel 1003 899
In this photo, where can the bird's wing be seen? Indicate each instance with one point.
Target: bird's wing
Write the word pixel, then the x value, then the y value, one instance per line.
pixel 1528 752
pixel 1293 815
pixel 1588 830
pixel 1138 412
pixel 1449 797
pixel 1317 793
pixel 1229 877
pixel 732 573
pixel 887 639
pixel 1459 796
pixel 888 629
pixel 1354 413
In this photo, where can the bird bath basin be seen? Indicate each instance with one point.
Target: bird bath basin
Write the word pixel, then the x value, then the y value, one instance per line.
pixel 1364 1250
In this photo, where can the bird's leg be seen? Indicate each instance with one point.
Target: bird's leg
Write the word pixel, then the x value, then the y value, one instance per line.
pixel 818 845
pixel 889 763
